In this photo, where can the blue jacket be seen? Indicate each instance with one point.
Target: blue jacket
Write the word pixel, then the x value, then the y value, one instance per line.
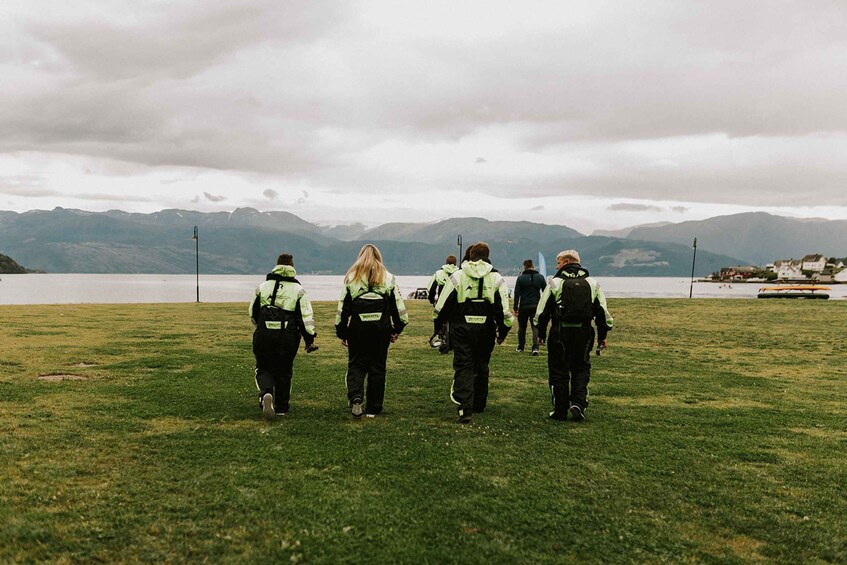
pixel 528 289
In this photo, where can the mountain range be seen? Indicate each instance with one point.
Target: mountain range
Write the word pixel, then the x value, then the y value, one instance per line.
pixel 755 237
pixel 247 241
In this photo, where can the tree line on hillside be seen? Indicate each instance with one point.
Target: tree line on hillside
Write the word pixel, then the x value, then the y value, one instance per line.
pixel 9 266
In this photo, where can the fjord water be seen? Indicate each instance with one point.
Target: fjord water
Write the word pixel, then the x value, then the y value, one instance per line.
pixel 112 289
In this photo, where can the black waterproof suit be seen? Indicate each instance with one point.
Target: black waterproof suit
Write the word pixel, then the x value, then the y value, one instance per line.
pixel 475 302
pixel 570 344
pixel 282 314
pixel 367 317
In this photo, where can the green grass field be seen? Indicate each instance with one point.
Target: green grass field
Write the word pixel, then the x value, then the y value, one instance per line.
pixel 717 432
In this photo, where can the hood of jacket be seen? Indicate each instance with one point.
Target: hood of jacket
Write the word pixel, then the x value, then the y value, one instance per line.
pixel 572 270
pixel 284 271
pixel 530 272
pixel 449 269
pixel 476 269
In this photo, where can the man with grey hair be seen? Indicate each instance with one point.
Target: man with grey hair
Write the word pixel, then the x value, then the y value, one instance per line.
pixel 571 301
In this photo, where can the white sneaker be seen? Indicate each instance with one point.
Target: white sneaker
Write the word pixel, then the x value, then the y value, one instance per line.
pixel 268 406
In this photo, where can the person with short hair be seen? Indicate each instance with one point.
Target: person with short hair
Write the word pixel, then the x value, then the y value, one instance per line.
pixel 371 314
pixel 475 303
pixel 528 288
pixel 571 301
pixel 436 282
pixel 282 313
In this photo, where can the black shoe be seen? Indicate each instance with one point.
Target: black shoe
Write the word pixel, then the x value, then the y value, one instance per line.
pixel 464 417
pixel 558 416
pixel 577 413
pixel 535 352
pixel 356 410
pixel 519 349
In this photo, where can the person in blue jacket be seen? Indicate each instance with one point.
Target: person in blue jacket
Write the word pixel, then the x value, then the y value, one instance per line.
pixel 528 290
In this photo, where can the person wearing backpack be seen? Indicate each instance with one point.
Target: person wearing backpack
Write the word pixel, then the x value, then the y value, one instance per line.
pixel 571 301
pixel 475 303
pixel 282 313
pixel 371 314
pixel 528 290
pixel 436 282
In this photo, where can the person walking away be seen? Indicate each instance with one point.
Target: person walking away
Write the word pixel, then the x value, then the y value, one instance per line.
pixel 436 282
pixel 282 313
pixel 475 302
pixel 371 314
pixel 570 302
pixel 528 288
pixel 434 288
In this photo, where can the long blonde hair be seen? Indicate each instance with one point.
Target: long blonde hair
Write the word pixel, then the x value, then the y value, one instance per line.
pixel 368 267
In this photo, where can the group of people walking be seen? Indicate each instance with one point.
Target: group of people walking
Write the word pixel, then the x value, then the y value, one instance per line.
pixel 471 312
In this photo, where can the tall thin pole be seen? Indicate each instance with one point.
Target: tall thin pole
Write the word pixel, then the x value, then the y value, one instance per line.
pixel 459 243
pixel 693 261
pixel 196 239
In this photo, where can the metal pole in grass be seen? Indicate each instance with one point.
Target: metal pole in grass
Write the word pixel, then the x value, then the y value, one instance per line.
pixel 459 243
pixel 693 261
pixel 196 239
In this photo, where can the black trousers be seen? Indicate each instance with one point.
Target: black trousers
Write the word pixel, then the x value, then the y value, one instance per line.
pixel 569 366
pixel 367 353
pixel 275 351
pixel 472 347
pixel 525 316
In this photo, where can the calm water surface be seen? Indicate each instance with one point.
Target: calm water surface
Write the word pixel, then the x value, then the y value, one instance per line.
pixel 109 289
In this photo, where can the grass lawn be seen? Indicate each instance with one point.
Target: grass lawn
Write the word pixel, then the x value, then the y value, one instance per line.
pixel 717 432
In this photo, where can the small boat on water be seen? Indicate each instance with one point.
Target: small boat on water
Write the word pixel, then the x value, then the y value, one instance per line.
pixel 795 291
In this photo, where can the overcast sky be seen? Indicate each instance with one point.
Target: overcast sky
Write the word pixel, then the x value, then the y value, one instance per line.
pixel 589 114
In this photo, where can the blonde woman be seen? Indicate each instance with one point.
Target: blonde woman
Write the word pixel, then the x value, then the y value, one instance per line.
pixel 371 314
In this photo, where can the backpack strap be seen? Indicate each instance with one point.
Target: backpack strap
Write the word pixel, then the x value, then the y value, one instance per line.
pixel 479 290
pixel 276 289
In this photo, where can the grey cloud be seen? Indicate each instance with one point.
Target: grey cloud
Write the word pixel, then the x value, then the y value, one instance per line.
pixel 33 186
pixel 270 194
pixel 214 198
pixel 680 209
pixel 539 207
pixel 175 180
pixel 175 40
pixel 268 87
pixel 24 185
pixel 628 207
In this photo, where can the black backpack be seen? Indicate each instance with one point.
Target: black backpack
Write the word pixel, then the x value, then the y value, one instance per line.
pixel 477 307
pixel 575 304
pixel 369 312
pixel 271 317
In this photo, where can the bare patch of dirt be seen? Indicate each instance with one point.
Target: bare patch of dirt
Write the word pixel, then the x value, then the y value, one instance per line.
pixel 84 365
pixel 62 377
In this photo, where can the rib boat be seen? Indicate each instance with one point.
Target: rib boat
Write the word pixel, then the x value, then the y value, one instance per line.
pixel 795 291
